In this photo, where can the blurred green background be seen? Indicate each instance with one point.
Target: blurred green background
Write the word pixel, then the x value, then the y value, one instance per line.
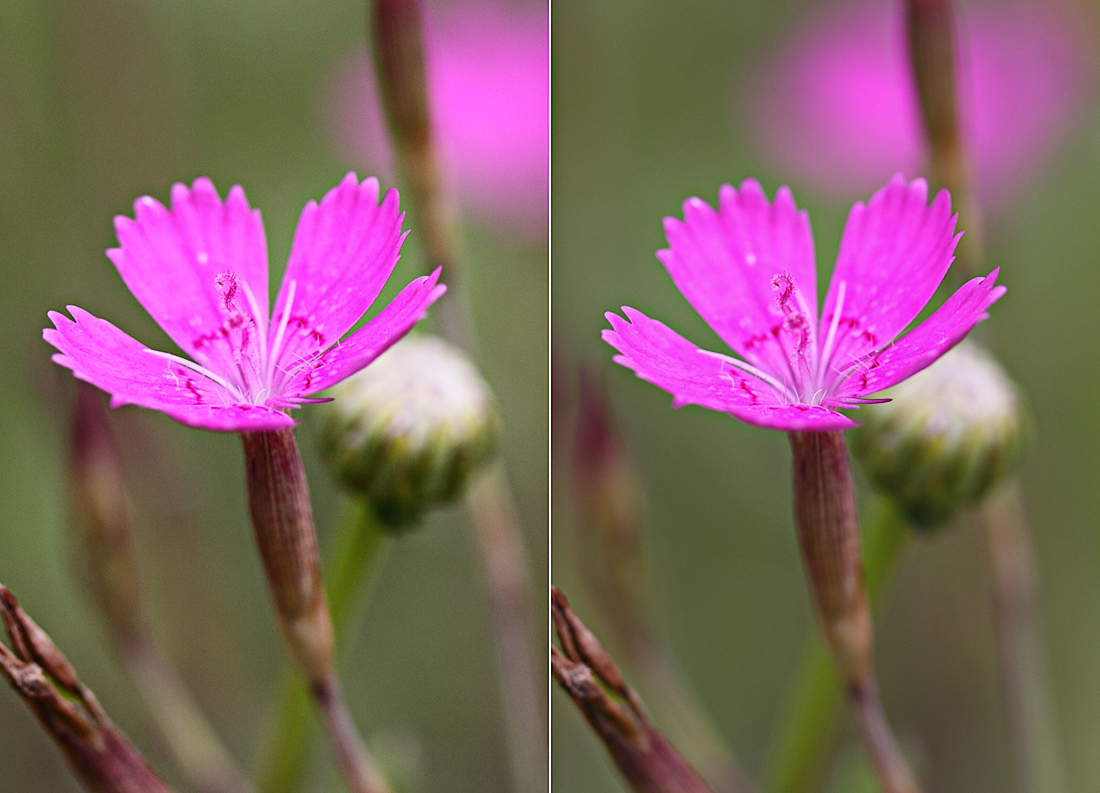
pixel 646 113
pixel 104 101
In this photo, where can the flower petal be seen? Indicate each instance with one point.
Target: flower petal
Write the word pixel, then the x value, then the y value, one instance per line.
pixel 928 341
pixel 724 262
pixel 101 354
pixel 659 355
pixel 894 253
pixel 370 341
pixel 344 251
pixel 171 260
pixel 794 418
pixel 229 418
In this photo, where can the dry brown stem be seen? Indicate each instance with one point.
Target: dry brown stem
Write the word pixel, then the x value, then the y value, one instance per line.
pixel 647 760
pixel 101 757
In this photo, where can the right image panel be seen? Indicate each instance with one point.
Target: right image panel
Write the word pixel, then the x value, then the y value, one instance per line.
pixel 825 515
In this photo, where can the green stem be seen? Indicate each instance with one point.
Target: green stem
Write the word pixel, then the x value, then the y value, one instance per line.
pixel 816 697
pixel 351 559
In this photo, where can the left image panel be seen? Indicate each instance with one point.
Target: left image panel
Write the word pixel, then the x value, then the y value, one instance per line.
pixel 273 413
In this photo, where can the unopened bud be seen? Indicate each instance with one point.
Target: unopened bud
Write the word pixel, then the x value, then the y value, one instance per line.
pixel 100 508
pixel 950 433
pixel 408 431
pixel 611 512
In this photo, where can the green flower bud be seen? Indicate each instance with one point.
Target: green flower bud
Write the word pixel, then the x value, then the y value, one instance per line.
pixel 408 431
pixel 950 433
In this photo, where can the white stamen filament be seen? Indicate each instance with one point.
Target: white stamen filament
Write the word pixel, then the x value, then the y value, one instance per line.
pixel 260 319
pixel 276 348
pixel 198 369
pixel 749 368
pixel 827 351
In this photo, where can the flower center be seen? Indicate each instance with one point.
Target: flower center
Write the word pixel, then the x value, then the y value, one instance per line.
pixel 795 338
pixel 240 331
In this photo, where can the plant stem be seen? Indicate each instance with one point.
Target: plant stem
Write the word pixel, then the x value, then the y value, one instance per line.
pixel 100 756
pixel 1032 724
pixel 798 762
pixel 397 41
pixel 282 516
pixel 609 500
pixel 1025 681
pixel 355 763
pixel 882 750
pixel 195 748
pixel 496 531
pixel 828 536
pixel 646 759
pixel 101 522
pixel 352 558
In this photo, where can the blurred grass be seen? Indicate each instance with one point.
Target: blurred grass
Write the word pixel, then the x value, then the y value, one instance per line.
pixel 101 102
pixel 645 114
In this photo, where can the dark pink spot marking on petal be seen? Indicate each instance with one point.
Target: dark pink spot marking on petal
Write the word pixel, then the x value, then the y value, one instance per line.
pixel 752 341
pixel 205 339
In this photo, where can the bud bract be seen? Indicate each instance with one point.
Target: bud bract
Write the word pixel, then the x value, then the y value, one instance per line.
pixel 408 431
pixel 949 434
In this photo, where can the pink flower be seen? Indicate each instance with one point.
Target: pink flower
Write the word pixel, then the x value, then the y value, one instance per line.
pixel 837 106
pixel 748 269
pixel 489 78
pixel 200 270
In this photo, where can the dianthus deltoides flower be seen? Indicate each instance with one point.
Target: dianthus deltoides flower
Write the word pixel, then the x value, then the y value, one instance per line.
pixel 200 269
pixel 748 269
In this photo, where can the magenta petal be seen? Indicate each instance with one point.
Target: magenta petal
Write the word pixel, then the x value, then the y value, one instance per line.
pixel 101 354
pixel 104 356
pixel 895 251
pixel 230 418
pixel 660 356
pixel 371 340
pixel 171 260
pixel 928 341
pixel 724 261
pixel 344 250
pixel 794 418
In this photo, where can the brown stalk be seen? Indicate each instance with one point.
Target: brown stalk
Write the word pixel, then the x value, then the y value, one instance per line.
pixel 828 537
pixel 101 517
pixel 611 508
pixel 1036 750
pixel 585 671
pixel 282 517
pixel 101 757
pixel 398 48
pixel 1025 678
pixel 932 30
pixel 397 42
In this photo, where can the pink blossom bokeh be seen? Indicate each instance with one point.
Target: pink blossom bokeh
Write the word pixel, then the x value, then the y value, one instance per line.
pixel 489 78
pixel 836 107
